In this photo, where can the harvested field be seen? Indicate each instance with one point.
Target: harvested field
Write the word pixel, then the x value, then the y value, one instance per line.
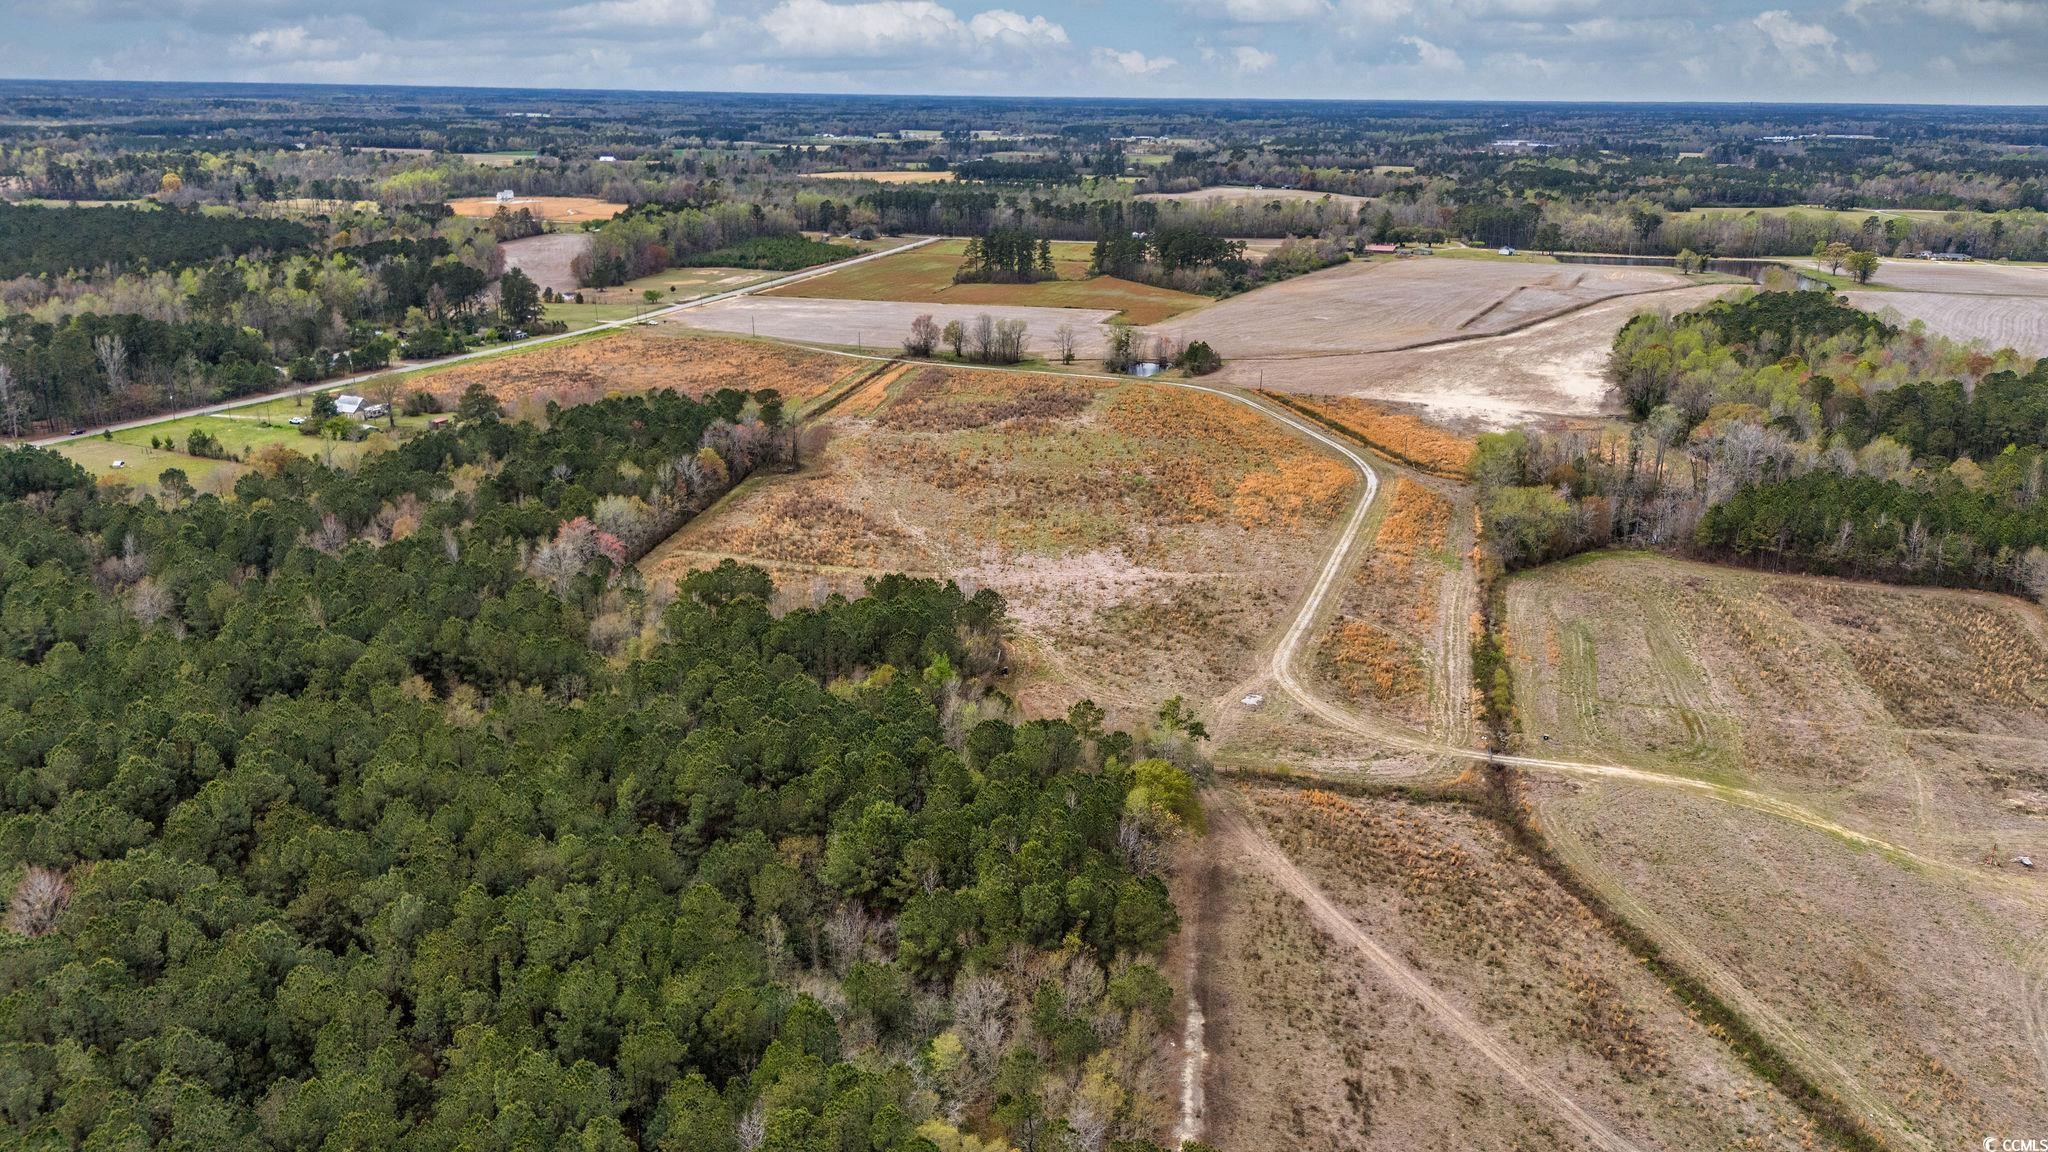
pixel 1974 278
pixel 1553 368
pixel 1240 194
pixel 1312 1047
pixel 926 274
pixel 1918 717
pixel 1147 538
pixel 1370 306
pixel 547 258
pixel 642 360
pixel 880 325
pixel 570 208
pixel 2016 322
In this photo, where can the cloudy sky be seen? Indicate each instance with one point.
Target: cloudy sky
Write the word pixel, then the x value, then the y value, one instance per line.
pixel 1946 51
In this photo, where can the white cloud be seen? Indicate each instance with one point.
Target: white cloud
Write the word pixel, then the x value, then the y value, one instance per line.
pixel 876 28
pixel 1251 60
pixel 1801 49
pixel 879 28
pixel 633 16
pixel 1260 11
pixel 1434 56
pixel 1132 61
pixel 1983 15
pixel 1000 25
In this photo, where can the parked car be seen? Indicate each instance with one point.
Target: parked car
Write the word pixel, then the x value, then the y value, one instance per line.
pixel 296 421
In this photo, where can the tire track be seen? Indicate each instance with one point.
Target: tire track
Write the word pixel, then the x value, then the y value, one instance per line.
pixel 1231 826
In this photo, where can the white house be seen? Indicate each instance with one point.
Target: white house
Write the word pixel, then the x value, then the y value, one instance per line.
pixel 506 196
pixel 348 405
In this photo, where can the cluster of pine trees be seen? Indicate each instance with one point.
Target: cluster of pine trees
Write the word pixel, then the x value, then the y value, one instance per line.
pixel 325 824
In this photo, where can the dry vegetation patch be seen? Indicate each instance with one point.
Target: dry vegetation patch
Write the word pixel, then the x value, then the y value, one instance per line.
pixel 642 360
pixel 545 207
pixel 1311 1050
pixel 1147 538
pixel 1400 435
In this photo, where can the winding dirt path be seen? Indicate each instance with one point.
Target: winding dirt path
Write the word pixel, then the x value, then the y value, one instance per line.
pixel 1232 828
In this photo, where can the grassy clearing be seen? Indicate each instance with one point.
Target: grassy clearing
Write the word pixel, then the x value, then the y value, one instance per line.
pixel 926 274
pixel 141 464
pixel 899 176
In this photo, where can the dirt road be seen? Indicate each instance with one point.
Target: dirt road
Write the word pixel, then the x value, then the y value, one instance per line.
pixel 1235 832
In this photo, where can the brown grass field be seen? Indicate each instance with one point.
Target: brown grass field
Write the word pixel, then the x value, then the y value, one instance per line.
pixel 1311 1049
pixel 1400 643
pixel 1911 985
pixel 566 208
pixel 2016 322
pixel 642 360
pixel 926 274
pixel 1147 539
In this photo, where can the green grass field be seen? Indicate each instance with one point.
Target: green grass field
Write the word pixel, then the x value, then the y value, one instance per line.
pixel 141 464
pixel 926 274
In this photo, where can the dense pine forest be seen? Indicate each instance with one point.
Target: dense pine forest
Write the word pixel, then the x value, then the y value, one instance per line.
pixel 386 809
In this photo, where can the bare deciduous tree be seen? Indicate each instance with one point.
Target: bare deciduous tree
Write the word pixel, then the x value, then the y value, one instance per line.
pixel 37 901
pixel 1066 340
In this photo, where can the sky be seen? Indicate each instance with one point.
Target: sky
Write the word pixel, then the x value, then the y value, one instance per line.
pixel 1859 51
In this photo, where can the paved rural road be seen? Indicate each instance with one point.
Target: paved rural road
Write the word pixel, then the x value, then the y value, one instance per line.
pixel 499 350
pixel 1232 827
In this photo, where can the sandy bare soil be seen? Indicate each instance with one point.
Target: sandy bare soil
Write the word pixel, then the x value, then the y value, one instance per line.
pixel 1380 305
pixel 1401 977
pixel 1241 194
pixel 1553 368
pixel 880 324
pixel 546 258
pixel 2017 322
pixel 1919 717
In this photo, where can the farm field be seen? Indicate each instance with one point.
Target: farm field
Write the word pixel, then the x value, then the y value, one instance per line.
pixel 1147 539
pixel 926 274
pixel 546 258
pixel 1910 985
pixel 498 159
pixel 1238 194
pixel 1368 306
pixel 880 325
pixel 571 209
pixel 1311 1045
pixel 1555 367
pixel 641 359
pixel 901 176
pixel 1976 278
pixel 2018 322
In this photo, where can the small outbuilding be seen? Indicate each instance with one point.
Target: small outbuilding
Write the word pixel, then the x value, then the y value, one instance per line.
pixel 348 405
